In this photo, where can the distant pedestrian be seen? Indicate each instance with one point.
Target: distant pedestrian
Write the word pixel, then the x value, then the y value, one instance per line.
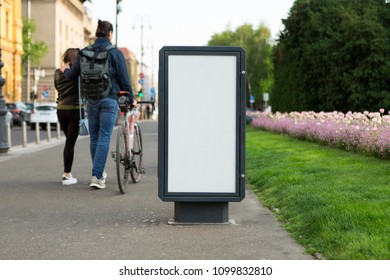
pixel 148 111
pixel 68 106
pixel 102 112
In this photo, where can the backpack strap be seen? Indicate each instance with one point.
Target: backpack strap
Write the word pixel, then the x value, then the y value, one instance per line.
pixel 92 63
pixel 109 47
pixel 90 48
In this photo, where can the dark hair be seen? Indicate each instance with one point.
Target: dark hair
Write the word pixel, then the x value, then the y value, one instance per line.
pixel 103 29
pixel 70 55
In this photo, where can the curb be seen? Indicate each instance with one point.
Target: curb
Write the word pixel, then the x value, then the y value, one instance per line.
pixel 19 150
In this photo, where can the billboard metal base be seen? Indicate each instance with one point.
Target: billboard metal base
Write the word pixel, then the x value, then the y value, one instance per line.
pixel 201 212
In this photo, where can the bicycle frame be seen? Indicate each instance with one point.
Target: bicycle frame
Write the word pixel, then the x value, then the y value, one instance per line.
pixel 128 154
pixel 131 117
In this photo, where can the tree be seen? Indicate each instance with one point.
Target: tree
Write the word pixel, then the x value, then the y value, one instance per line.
pixel 258 55
pixel 33 50
pixel 333 55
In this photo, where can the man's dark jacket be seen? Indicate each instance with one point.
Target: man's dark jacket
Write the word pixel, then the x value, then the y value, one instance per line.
pixel 118 72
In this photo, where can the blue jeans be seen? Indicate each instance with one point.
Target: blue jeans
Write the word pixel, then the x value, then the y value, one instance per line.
pixel 102 114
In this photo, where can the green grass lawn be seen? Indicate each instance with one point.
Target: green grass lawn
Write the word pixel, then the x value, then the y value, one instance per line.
pixel 332 202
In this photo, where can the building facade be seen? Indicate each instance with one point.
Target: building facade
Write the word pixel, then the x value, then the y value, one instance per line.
pixel 61 24
pixel 11 44
pixel 132 68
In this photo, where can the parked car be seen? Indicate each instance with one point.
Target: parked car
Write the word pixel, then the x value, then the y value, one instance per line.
pixel 20 112
pixel 44 113
pixel 30 106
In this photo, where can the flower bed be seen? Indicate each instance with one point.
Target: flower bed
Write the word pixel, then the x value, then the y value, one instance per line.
pixel 367 133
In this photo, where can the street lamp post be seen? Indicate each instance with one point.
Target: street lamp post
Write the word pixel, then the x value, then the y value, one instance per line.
pixel 4 147
pixel 118 10
pixel 142 40
pixel 28 49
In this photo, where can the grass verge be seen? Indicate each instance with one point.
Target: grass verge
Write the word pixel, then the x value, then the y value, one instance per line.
pixel 332 202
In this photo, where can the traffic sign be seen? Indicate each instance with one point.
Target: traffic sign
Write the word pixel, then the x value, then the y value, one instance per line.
pixel 141 81
pixel 141 75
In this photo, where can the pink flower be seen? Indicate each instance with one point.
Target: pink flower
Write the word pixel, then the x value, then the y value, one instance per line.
pixel 365 132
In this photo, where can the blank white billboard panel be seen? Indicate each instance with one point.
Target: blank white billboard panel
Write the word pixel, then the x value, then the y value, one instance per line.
pixel 201 132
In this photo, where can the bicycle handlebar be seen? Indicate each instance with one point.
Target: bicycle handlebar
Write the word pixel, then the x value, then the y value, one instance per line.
pixel 124 103
pixel 145 102
pixel 126 93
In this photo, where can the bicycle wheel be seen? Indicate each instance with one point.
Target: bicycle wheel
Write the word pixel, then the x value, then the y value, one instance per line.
pixel 136 165
pixel 122 160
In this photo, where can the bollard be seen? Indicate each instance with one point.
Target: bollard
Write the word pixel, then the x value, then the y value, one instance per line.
pixel 37 135
pixel 58 130
pixel 24 134
pixel 9 134
pixel 48 129
pixel 4 147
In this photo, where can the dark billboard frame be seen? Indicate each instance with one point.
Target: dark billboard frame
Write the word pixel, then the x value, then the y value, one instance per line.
pixel 192 66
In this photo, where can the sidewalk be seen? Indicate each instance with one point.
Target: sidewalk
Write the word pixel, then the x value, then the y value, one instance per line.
pixel 19 150
pixel 41 219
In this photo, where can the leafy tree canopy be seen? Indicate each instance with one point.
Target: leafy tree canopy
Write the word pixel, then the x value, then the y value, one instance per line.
pixel 333 55
pixel 256 43
pixel 35 50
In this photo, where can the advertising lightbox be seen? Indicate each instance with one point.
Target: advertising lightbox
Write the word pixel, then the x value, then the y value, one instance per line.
pixel 201 101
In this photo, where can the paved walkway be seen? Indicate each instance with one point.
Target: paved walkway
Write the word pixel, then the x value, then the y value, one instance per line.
pixel 41 219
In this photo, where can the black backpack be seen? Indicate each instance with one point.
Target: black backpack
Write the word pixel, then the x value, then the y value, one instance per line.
pixel 95 81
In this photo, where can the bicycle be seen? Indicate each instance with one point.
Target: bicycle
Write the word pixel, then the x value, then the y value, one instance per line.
pixel 128 154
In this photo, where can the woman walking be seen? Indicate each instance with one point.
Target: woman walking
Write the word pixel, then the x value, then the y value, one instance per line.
pixel 68 106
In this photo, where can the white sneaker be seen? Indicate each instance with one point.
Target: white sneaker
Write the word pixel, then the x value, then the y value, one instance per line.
pixel 98 183
pixel 104 175
pixel 68 180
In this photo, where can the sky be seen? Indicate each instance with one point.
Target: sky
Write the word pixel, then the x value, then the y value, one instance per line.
pixel 183 22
